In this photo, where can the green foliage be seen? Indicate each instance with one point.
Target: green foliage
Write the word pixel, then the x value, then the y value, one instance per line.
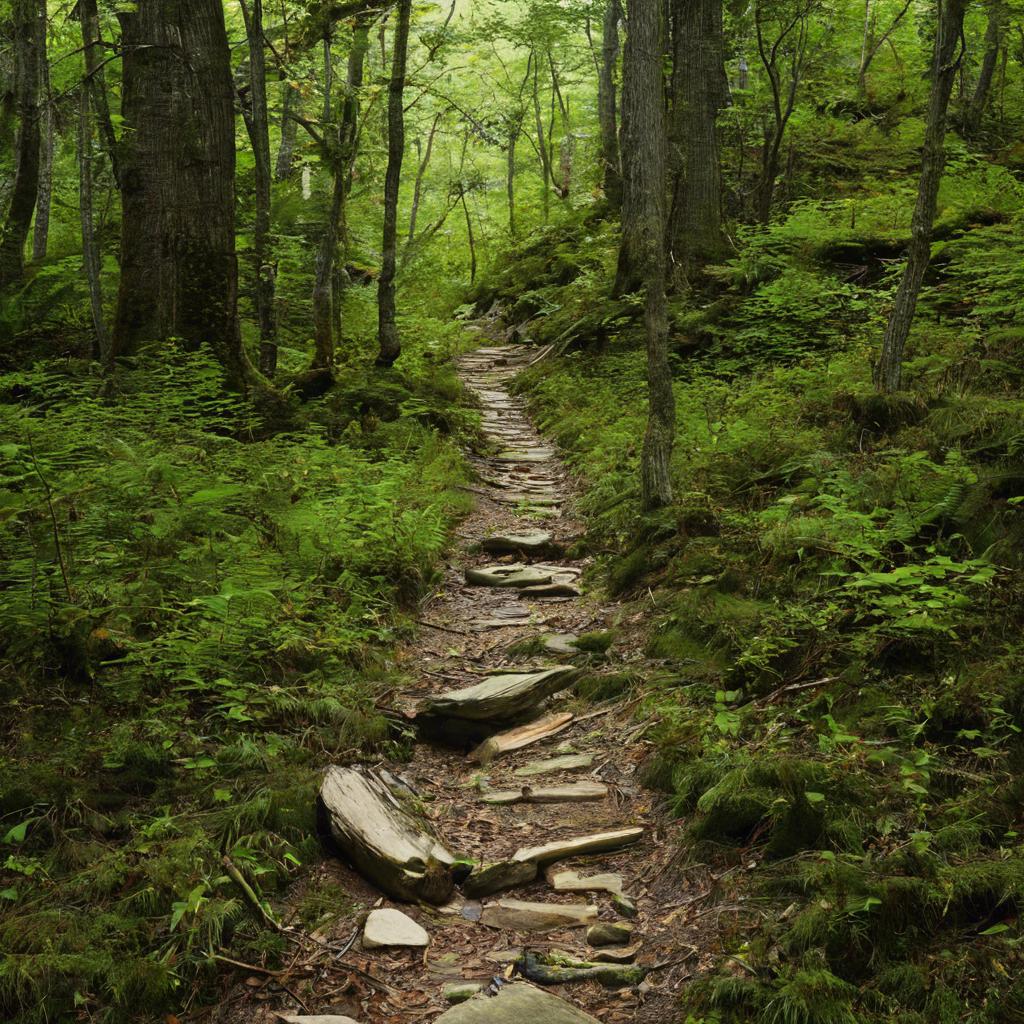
pixel 192 623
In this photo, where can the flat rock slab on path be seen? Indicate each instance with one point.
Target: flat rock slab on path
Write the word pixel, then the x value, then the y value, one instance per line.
pixel 518 1003
pixel 389 927
pixel 524 916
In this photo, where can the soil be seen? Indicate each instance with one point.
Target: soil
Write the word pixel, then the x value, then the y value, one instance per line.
pixel 466 631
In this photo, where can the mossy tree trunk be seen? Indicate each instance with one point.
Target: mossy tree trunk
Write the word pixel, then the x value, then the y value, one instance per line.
pixel 258 126
pixel 642 252
pixel 326 284
pixel 22 201
pixel 92 42
pixel 41 232
pixel 699 90
pixel 607 105
pixel 179 271
pixel 946 57
pixel 983 87
pixel 289 126
pixel 390 346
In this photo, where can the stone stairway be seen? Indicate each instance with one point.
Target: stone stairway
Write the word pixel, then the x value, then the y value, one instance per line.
pixel 510 851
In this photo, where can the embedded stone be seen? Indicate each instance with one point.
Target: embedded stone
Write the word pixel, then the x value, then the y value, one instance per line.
pixel 573 881
pixel 516 1004
pixel 610 933
pixel 519 915
pixel 488 879
pixel 600 842
pixel 389 927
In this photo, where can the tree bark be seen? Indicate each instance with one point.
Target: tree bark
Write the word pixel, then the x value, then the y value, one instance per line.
pixel 97 82
pixel 993 40
pixel 542 144
pixel 179 272
pixel 258 126
pixel 286 149
pixel 607 104
pixel 90 251
pixel 643 242
pixel 387 330
pixel 41 233
pixel 421 170
pixel 22 202
pixel 946 58
pixel 510 175
pixel 700 89
pixel 325 296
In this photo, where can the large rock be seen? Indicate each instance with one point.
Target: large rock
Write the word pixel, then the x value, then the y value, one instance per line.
pixel 514 543
pixel 521 916
pixel 501 698
pixel 507 576
pixel 383 838
pixel 518 1003
pixel 389 927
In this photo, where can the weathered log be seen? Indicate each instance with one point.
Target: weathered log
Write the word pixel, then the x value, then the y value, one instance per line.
pixel 383 838
pixel 515 739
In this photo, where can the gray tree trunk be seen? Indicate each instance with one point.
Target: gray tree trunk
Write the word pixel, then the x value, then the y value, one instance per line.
pixel 993 40
pixel 326 298
pixel 387 329
pixel 92 40
pixel 179 272
pixel 258 125
pixel 41 233
pixel 946 58
pixel 643 175
pixel 607 105
pixel 90 250
pixel 22 199
pixel 699 89
pixel 286 149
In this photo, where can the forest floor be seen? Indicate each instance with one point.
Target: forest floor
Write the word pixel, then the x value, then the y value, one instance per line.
pixel 468 631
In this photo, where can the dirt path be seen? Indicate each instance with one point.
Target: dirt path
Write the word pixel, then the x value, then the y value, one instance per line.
pixel 467 632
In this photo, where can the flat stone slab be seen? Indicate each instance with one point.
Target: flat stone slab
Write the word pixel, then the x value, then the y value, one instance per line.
pixel 317 1018
pixel 562 644
pixel 460 991
pixel 521 916
pixel 389 927
pixel 507 576
pixel 501 697
pixel 571 793
pixel 616 956
pixel 600 842
pixel 566 763
pixel 573 881
pixel 551 589
pixel 512 543
pixel 518 1003
pixel 610 933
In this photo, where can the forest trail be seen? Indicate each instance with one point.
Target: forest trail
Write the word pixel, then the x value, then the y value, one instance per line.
pixel 470 631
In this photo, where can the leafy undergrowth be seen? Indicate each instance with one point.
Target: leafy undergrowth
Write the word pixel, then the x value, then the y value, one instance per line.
pixel 839 602
pixel 194 620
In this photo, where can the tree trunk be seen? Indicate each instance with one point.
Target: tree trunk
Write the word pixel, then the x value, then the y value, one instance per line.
pixel 643 234
pixel 22 202
pixel 611 173
pixel 469 235
pixel 421 170
pixel 945 62
pixel 387 330
pixel 259 136
pixel 325 295
pixel 92 40
pixel 510 176
pixel 700 89
pixel 90 251
pixel 542 145
pixel 179 272
pixel 979 99
pixel 283 168
pixel 41 233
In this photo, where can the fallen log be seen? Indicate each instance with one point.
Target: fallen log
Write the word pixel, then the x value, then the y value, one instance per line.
pixel 383 838
pixel 515 739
